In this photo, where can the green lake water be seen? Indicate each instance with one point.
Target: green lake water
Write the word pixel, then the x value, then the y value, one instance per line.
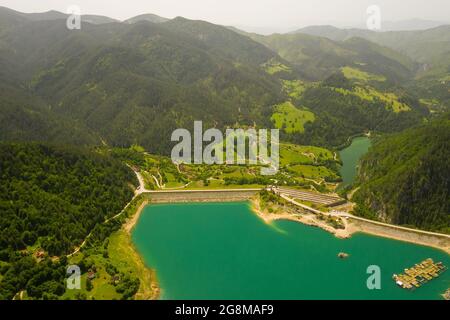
pixel 350 157
pixel 224 251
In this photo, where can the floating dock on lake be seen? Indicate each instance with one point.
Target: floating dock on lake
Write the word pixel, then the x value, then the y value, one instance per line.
pixel 420 274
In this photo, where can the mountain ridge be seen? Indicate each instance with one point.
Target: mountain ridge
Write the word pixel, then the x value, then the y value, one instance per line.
pixel 135 83
pixel 404 175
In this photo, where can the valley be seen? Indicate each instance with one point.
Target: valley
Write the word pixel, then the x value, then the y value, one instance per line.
pixel 87 179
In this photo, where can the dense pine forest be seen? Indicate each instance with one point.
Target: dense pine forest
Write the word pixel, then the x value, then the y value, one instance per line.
pixel 51 197
pixel 135 82
pixel 405 178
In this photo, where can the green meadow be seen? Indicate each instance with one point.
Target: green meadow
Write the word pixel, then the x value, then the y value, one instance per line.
pixel 291 154
pixel 313 172
pixel 294 88
pixel 357 74
pixel 390 99
pixel 272 67
pixel 291 119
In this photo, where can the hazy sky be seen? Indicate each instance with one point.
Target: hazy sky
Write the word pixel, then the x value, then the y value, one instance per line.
pixel 275 14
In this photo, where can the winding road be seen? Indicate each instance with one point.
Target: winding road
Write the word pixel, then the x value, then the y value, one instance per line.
pixel 139 190
pixel 346 215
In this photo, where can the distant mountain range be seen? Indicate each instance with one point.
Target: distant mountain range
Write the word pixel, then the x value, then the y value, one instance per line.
pixel 55 15
pixel 135 82
pixel 430 47
pixel 147 17
pixel 411 25
pixel 402 25
pixel 93 19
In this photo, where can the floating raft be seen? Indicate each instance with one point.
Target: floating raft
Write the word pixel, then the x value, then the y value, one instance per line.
pixel 420 274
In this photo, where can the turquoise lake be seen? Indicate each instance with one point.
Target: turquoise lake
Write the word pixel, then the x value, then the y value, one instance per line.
pixel 224 251
pixel 350 157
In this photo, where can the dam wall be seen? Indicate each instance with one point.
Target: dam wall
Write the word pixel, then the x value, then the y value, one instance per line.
pixel 440 241
pixel 202 195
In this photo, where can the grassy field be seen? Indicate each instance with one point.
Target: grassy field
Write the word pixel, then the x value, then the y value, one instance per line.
pixel 313 205
pixel 121 255
pixel 295 154
pixel 294 88
pixel 120 246
pixel 291 119
pixel 117 267
pixel 223 176
pixel 391 100
pixel 313 172
pixel 218 185
pixel 102 288
pixel 432 105
pixel 273 67
pixel 163 169
pixel 359 75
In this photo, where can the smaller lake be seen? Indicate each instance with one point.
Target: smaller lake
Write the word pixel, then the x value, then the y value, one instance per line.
pixel 350 157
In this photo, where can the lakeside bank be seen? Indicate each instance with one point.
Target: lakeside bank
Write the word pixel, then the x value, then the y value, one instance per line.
pixel 225 251
pixel 352 224
pixel 149 288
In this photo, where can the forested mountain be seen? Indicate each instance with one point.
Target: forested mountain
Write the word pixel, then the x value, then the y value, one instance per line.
pixel 96 19
pixel 51 196
pixel 134 83
pixel 26 117
pixel 411 25
pixel 137 83
pixel 415 44
pixel 344 108
pixel 147 17
pixel 55 15
pixel 361 88
pixel 405 178
pixel 319 57
pixel 429 49
pixel 423 46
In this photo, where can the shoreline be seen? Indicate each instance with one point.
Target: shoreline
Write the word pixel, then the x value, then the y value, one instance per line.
pixel 306 219
pixel 128 226
pixel 131 222
pixel 352 227
pixel 350 139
